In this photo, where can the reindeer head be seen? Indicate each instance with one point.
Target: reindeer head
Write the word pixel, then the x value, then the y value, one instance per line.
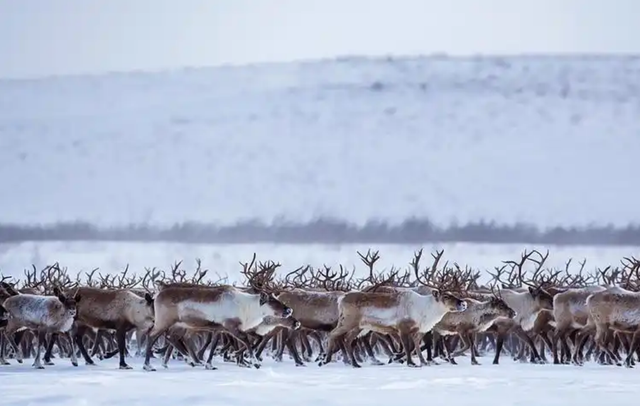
pixel 543 298
pixel 147 313
pixel 450 301
pixel 290 323
pixel 501 307
pixel 274 306
pixel 70 304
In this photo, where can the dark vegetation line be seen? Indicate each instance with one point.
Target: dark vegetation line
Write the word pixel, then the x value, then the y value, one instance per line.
pixel 326 230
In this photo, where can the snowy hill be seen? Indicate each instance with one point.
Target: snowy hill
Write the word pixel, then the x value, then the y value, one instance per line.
pixel 546 140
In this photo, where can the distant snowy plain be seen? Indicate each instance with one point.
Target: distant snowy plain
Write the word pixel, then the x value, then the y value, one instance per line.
pixel 224 259
pixel 544 140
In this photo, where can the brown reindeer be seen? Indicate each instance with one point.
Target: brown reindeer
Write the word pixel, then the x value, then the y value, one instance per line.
pixel 478 317
pixel 119 310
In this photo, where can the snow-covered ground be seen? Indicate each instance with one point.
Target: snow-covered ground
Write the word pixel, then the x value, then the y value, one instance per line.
pixel 335 384
pixel 224 259
pixel 546 140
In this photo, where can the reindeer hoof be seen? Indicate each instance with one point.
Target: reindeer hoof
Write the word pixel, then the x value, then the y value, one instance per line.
pixel 300 364
pixel 376 362
pixel 148 368
pixel 209 367
pixel 48 363
pixel 256 366
pixel 90 364
pixel 125 366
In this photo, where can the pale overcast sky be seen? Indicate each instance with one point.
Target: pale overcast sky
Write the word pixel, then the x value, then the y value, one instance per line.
pixel 92 36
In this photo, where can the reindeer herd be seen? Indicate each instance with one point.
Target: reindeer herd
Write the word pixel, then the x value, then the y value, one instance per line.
pixel 436 313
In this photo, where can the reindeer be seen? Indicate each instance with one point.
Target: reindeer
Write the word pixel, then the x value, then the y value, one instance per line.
pixel 615 309
pixel 529 303
pixel 403 313
pixel 571 315
pixel 42 314
pixel 318 310
pixel 478 316
pixel 112 309
pixel 213 308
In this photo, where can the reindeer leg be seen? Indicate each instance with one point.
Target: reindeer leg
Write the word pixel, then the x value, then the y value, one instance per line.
pixel 499 343
pixel 3 347
pixel 49 349
pixel 80 330
pixel 195 361
pixel 428 340
pixel 318 339
pixel 290 343
pixel 121 338
pixel 281 337
pixel 406 343
pixel 469 338
pixel 159 328
pixel 140 338
pixel 96 348
pixel 518 331
pixel 335 342
pixel 601 342
pixel 307 349
pixel 9 334
pixel 39 343
pixel 543 343
pixel 242 338
pixel 558 336
pixel 369 350
pixel 417 339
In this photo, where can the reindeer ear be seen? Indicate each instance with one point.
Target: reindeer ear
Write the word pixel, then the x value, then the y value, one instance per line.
pixel 148 298
pixel 436 294
pixel 77 297
pixel 62 298
pixel 532 291
pixel 56 291
pixel 264 298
